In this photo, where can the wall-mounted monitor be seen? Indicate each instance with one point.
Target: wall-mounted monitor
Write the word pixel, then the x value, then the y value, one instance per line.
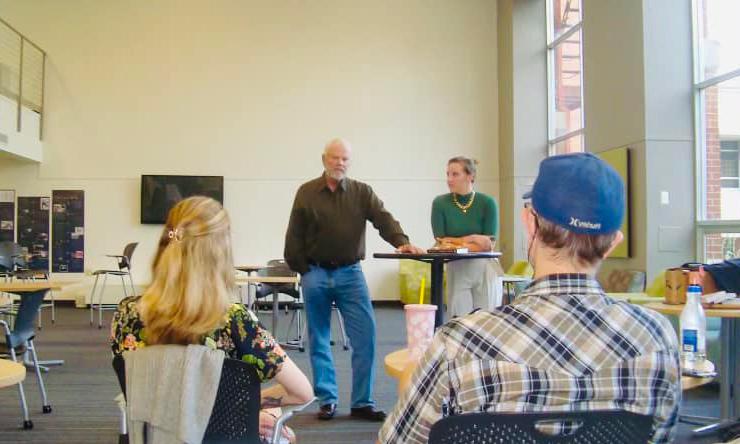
pixel 160 193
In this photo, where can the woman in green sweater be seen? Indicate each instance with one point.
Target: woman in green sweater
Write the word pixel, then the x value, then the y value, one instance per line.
pixel 469 219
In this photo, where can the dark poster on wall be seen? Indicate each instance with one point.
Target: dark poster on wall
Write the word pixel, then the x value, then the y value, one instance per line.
pixel 7 215
pixel 33 231
pixel 68 231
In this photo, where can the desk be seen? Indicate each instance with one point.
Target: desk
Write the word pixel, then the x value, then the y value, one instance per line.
pixel 11 373
pixel 635 298
pixel 730 340
pixel 437 260
pixel 249 269
pixel 395 363
pixel 25 287
pixel 270 280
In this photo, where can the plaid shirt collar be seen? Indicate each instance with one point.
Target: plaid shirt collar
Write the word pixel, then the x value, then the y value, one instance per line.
pixel 564 284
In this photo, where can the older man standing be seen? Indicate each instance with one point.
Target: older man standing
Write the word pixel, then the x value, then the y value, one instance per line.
pixel 325 242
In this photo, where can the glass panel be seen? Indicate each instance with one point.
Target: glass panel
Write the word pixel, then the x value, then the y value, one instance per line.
pixel 719 39
pixel 33 61
pixel 721 128
pixel 721 246
pixel 729 164
pixel 570 145
pixel 10 56
pixel 566 85
pixel 563 15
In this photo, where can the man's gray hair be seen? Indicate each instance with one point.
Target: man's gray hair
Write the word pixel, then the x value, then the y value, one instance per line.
pixel 338 141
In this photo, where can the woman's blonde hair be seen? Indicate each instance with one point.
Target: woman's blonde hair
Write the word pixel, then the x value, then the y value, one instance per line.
pixel 193 274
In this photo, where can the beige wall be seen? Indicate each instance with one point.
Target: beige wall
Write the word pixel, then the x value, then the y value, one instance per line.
pixel 251 91
pixel 638 94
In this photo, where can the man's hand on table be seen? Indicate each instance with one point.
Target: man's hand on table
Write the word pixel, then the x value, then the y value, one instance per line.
pixel 410 249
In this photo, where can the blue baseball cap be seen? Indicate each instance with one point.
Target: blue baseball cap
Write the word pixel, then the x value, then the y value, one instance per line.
pixel 580 193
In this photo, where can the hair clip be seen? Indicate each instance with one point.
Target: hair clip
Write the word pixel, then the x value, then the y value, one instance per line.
pixel 175 234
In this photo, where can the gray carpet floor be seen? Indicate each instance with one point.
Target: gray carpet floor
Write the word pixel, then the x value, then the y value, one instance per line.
pixel 82 390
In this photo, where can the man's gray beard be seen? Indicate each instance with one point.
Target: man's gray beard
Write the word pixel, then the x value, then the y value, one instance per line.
pixel 335 176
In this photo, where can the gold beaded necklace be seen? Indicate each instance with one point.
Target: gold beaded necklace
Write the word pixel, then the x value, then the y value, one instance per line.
pixel 462 207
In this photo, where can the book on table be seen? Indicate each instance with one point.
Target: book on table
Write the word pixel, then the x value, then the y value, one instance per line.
pixel 448 250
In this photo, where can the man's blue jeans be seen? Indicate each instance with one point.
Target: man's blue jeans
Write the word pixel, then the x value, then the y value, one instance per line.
pixel 346 286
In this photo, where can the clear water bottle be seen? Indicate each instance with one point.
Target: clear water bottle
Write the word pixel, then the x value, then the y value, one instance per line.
pixel 693 329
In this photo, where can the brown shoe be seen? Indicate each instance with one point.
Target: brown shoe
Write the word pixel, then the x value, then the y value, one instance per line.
pixel 368 412
pixel 327 411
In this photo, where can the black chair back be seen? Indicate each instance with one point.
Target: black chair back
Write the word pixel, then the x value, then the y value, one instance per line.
pixel 24 326
pixel 235 414
pixel 128 251
pixel 590 427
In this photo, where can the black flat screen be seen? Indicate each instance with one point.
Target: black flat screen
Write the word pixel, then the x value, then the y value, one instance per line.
pixel 160 193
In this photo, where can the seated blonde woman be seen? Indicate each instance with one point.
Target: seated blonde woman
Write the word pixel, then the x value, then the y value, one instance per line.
pixel 188 302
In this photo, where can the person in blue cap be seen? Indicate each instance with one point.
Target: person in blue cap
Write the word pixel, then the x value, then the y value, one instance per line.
pixel 563 344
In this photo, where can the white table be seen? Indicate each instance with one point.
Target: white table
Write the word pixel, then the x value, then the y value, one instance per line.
pixel 729 367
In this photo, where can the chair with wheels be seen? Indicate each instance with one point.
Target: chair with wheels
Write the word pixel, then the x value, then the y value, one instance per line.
pixel 584 427
pixel 124 269
pixel 19 341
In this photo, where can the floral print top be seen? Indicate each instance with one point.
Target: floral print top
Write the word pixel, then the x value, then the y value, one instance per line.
pixel 241 337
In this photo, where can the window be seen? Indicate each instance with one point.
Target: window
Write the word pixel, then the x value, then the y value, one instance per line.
pixel 729 177
pixel 717 101
pixel 565 76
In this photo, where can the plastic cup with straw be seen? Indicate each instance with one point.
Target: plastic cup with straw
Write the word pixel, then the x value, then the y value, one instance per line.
pixel 419 324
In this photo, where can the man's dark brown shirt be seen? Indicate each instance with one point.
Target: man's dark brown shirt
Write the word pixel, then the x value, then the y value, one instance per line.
pixel 329 227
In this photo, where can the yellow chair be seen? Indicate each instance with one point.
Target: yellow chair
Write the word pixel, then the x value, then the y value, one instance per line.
pixel 512 282
pixel 520 268
pixel 657 287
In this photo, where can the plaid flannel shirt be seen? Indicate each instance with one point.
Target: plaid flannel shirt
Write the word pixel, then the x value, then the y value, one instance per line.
pixel 563 345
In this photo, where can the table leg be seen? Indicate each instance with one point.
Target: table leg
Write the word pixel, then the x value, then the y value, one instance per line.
pixel 437 290
pixel 729 370
pixel 734 342
pixel 275 309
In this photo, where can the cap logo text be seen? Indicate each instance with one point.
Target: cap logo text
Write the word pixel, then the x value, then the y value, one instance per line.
pixel 575 222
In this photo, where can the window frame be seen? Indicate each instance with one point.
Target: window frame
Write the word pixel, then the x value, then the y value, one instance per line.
pixel 552 44
pixel 703 224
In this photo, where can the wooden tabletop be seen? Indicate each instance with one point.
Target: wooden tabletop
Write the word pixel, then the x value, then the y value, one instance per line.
pixel 21 287
pixel 664 308
pixel 267 279
pixel 395 362
pixel 635 298
pixel 11 372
